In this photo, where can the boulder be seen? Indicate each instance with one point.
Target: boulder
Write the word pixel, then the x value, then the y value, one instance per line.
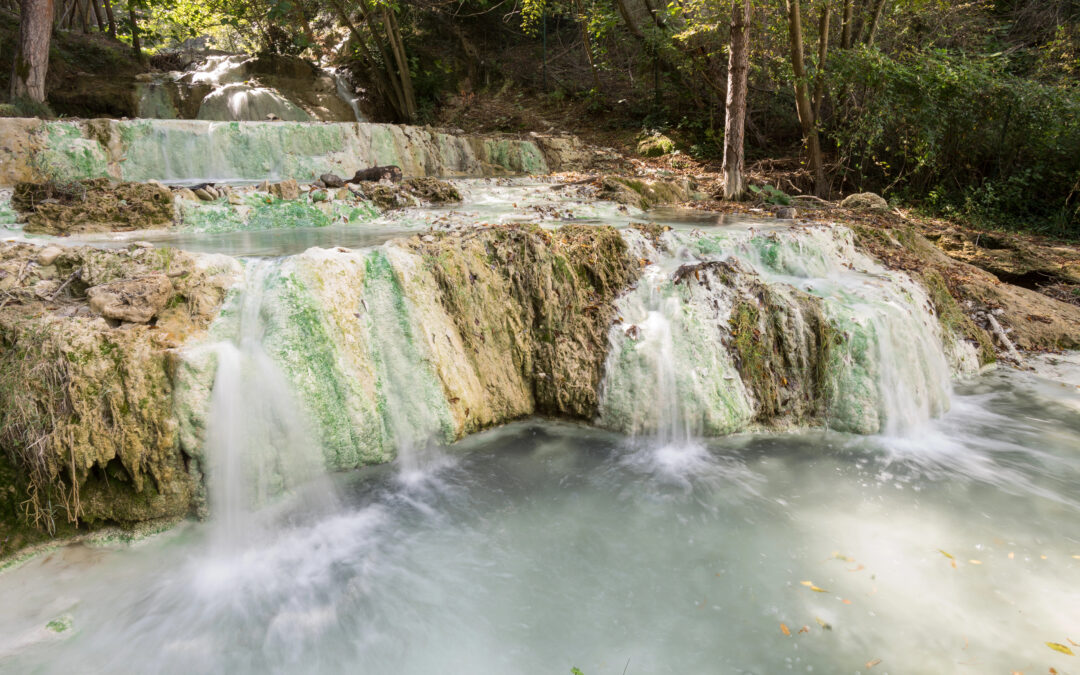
pixel 286 189
pixel 133 300
pixel 331 180
pixel 867 201
pixel 377 173
pixel 655 145
pixel 204 194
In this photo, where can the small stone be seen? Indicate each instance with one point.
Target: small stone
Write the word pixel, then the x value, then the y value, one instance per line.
pixel 286 189
pixel 185 193
pixel 319 185
pixel 332 180
pixel 204 195
pixel 785 213
pixel 235 199
pixel 133 300
pixel 48 255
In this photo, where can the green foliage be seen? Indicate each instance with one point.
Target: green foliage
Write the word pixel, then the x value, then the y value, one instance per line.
pixel 960 135
pixel 24 107
pixel 771 195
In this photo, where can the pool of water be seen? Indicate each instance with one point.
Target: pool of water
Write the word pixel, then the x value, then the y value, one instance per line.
pixel 539 547
pixel 484 201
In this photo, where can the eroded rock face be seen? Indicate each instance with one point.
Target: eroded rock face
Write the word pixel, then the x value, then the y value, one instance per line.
pixel 133 300
pixel 86 408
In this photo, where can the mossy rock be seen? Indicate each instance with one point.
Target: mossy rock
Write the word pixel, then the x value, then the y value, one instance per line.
pixel 656 145
pixel 94 205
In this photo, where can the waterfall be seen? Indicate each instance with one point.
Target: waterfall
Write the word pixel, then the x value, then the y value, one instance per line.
pixel 257 442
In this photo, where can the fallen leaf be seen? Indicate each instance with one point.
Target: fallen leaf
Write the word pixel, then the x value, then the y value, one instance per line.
pixel 857 569
pixel 804 629
pixel 1058 647
pixel 1077 557
pixel 846 601
pixel 1043 557
pixel 1073 643
pixel 946 554
pixel 837 555
pixel 785 630
pixel 1053 671
pixel 871 664
pixel 1016 672
pixel 823 623
pixel 807 583
pixel 1010 555
pixel 975 562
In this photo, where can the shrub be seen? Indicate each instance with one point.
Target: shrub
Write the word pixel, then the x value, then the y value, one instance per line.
pixel 960 135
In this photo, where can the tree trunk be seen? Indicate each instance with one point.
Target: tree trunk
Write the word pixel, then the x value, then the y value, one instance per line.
pixel 872 31
pixel 112 19
pixel 393 33
pixel 99 15
pixel 136 45
pixel 84 15
pixel 389 88
pixel 32 54
pixel 588 45
pixel 802 98
pixel 735 124
pixel 845 29
pixel 823 55
pixel 628 19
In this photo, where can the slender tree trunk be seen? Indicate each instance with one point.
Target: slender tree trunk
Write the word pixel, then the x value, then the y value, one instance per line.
pixel 588 44
pixel 397 46
pixel 735 124
pixel 84 15
pixel 99 15
pixel 823 55
pixel 32 54
pixel 112 19
pixel 136 45
pixel 388 87
pixel 879 6
pixel 845 29
pixel 628 19
pixel 802 98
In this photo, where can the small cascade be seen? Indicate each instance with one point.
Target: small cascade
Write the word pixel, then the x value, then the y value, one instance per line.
pixel 257 442
pixel 239 101
pixel 346 92
pixel 154 100
pixel 411 401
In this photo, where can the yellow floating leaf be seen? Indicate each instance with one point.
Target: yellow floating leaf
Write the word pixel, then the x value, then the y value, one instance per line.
pixel 823 623
pixel 953 563
pixel 1058 647
pixel 837 555
pixel 807 583
pixel 818 590
pixel 872 663
pixel 1077 557
pixel 787 631
pixel 1072 643
pixel 946 554
pixel 975 562
pixel 1010 555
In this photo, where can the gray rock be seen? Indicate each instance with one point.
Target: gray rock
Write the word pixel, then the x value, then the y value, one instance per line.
pixel 185 193
pixel 134 300
pixel 785 212
pixel 865 201
pixel 331 180
pixel 204 195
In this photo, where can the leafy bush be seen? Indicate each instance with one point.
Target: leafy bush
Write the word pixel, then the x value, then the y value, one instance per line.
pixel 960 135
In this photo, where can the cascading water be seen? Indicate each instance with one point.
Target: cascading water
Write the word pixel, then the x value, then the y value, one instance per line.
pixel 257 443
